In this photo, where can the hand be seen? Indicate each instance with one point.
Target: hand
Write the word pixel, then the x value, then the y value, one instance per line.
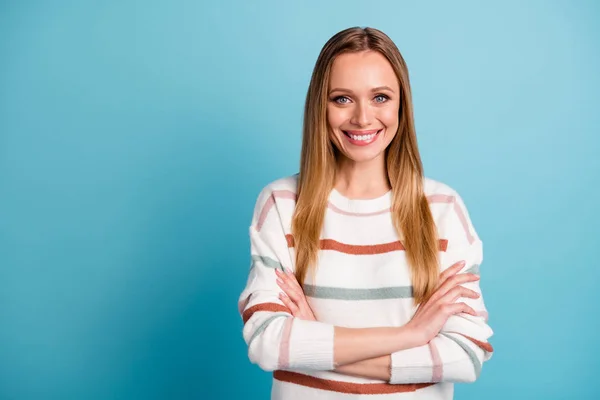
pixel 433 314
pixel 293 296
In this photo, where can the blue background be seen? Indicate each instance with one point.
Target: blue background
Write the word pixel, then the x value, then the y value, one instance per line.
pixel 136 135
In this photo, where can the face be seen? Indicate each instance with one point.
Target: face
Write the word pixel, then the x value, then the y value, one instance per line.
pixel 363 105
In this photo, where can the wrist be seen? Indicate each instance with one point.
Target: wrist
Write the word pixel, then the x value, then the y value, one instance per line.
pixel 409 337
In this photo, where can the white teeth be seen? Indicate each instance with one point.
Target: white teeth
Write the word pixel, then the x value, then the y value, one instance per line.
pixel 363 137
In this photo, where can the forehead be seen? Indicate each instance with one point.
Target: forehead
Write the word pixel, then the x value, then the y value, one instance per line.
pixel 362 70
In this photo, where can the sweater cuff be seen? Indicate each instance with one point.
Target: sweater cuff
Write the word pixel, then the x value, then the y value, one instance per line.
pixel 311 345
pixel 410 366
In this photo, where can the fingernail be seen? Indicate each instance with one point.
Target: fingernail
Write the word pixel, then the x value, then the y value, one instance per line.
pixel 462 263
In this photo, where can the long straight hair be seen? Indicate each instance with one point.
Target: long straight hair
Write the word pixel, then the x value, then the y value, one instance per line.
pixel 410 211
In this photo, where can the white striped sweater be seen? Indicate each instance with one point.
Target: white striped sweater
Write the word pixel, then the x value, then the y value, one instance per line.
pixel 362 280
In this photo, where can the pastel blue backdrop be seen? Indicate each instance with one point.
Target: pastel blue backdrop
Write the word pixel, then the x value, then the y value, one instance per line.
pixel 136 135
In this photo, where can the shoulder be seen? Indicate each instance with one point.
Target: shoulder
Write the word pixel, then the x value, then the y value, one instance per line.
pixel 282 187
pixel 435 187
pixel 440 193
pixel 269 197
pixel 286 183
pixel 449 211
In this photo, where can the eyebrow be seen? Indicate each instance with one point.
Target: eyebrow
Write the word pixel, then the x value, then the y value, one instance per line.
pixel 377 89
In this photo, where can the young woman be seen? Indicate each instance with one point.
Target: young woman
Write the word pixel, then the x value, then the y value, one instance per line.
pixel 364 276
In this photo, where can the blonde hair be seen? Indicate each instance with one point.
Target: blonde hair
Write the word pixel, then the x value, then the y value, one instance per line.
pixel 410 211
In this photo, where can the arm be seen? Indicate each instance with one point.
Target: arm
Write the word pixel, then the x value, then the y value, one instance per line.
pixel 458 352
pixel 374 368
pixel 274 337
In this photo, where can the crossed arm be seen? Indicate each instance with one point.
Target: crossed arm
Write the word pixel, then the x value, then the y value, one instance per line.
pixel 446 340
pixel 423 327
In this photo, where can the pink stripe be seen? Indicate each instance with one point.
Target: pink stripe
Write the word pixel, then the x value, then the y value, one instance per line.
pixel 264 212
pixel 463 221
pixel 282 194
pixel 285 194
pixel 284 346
pixel 333 208
pixel 443 198
pixel 440 198
pixel 438 367
pixel 434 198
pixel 483 314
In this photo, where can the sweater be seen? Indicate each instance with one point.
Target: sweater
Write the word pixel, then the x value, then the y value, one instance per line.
pixel 362 280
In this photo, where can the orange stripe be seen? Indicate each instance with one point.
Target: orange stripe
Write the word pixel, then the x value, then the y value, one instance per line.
pixel 330 244
pixel 346 387
pixel 290 240
pixel 443 244
pixel 483 345
pixel 273 307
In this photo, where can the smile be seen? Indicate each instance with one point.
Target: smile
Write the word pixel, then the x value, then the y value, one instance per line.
pixel 362 138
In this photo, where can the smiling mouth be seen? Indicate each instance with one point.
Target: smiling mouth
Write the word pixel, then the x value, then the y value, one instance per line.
pixel 362 136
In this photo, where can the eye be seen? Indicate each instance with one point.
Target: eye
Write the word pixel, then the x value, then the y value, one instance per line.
pixel 341 100
pixel 381 98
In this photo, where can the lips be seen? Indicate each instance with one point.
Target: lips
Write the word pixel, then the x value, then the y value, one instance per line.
pixel 362 138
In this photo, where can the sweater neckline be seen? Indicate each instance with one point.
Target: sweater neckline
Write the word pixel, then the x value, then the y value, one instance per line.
pixel 375 204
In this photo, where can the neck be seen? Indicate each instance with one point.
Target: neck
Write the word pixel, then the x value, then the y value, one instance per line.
pixel 362 180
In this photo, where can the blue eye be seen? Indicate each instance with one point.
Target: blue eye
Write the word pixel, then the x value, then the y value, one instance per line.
pixel 381 98
pixel 341 100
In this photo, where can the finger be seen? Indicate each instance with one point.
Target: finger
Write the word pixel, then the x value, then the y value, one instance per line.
pixel 305 307
pixel 461 307
pixel 292 282
pixel 301 311
pixel 292 279
pixel 288 278
pixel 290 304
pixel 456 292
pixel 284 286
pixel 469 310
pixel 450 284
pixel 290 291
pixel 452 270
pixel 453 281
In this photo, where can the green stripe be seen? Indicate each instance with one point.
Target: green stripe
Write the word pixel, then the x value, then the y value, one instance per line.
pixel 266 261
pixel 469 351
pixel 473 270
pixel 325 292
pixel 264 325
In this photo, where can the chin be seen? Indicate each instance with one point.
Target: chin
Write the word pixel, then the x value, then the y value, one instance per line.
pixel 363 158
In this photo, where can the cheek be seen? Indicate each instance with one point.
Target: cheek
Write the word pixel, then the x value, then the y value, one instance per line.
pixel 336 117
pixel 389 116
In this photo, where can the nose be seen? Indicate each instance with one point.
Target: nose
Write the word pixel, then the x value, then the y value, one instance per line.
pixel 362 115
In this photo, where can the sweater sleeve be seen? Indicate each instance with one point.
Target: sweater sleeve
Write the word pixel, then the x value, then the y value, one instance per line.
pixel 458 352
pixel 275 339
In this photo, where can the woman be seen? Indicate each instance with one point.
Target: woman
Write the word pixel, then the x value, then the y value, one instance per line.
pixel 365 273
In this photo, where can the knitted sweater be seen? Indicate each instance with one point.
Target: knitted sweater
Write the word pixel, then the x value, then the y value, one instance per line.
pixel 362 280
